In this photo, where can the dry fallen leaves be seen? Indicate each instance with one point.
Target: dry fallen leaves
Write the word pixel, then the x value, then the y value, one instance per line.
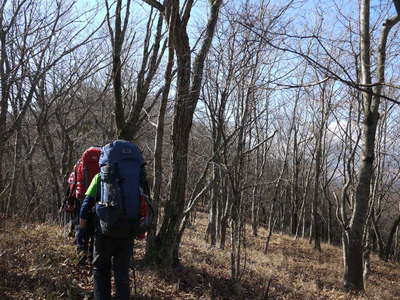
pixel 38 262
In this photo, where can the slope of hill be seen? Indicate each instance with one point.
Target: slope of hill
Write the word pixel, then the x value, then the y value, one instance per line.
pixel 37 261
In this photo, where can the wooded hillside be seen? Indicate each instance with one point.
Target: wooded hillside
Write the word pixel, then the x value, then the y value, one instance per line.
pixel 38 261
pixel 282 117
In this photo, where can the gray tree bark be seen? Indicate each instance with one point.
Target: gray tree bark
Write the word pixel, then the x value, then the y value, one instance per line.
pixel 353 235
pixel 189 81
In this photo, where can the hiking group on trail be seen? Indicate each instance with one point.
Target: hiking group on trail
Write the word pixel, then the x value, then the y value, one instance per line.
pixel 108 199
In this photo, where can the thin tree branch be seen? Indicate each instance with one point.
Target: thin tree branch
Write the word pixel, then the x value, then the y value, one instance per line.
pixel 156 5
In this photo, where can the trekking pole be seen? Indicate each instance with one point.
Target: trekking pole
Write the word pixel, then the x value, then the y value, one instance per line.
pixel 134 279
pixel 134 272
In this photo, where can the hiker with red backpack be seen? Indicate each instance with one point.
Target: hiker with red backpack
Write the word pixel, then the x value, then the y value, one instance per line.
pixel 87 169
pixel 119 195
pixel 78 181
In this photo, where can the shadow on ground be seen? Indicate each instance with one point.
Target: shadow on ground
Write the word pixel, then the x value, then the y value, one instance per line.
pixel 201 284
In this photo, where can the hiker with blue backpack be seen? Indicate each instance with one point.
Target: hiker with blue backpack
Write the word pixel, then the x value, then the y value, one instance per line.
pixel 119 196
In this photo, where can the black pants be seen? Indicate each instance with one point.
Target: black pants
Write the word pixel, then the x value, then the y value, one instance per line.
pixel 111 254
pixel 89 237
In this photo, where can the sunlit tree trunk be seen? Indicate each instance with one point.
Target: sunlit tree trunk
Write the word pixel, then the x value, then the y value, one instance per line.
pixel 353 235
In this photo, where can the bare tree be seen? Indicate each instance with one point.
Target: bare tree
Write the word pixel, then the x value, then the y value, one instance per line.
pixel 353 238
pixel 33 41
pixel 371 97
pixel 130 103
pixel 189 79
pixel 158 147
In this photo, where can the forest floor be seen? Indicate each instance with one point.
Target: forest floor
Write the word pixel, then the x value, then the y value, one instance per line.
pixel 38 261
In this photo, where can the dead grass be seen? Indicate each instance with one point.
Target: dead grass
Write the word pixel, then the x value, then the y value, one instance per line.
pixel 39 262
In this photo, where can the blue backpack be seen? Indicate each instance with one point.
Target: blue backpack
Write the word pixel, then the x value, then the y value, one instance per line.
pixel 118 209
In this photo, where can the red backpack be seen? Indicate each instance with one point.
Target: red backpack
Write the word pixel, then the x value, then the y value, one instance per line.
pixel 86 170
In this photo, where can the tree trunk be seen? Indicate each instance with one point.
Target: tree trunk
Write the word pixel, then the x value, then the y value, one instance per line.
pixel 254 211
pixel 225 209
pixel 378 236
pixel 353 277
pixel 396 250
pixel 14 177
pixel 236 239
pixel 329 233
pixel 48 148
pixel 213 207
pixel 315 228
pixel 188 91
pixel 151 242
pixel 392 233
pixel 353 263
